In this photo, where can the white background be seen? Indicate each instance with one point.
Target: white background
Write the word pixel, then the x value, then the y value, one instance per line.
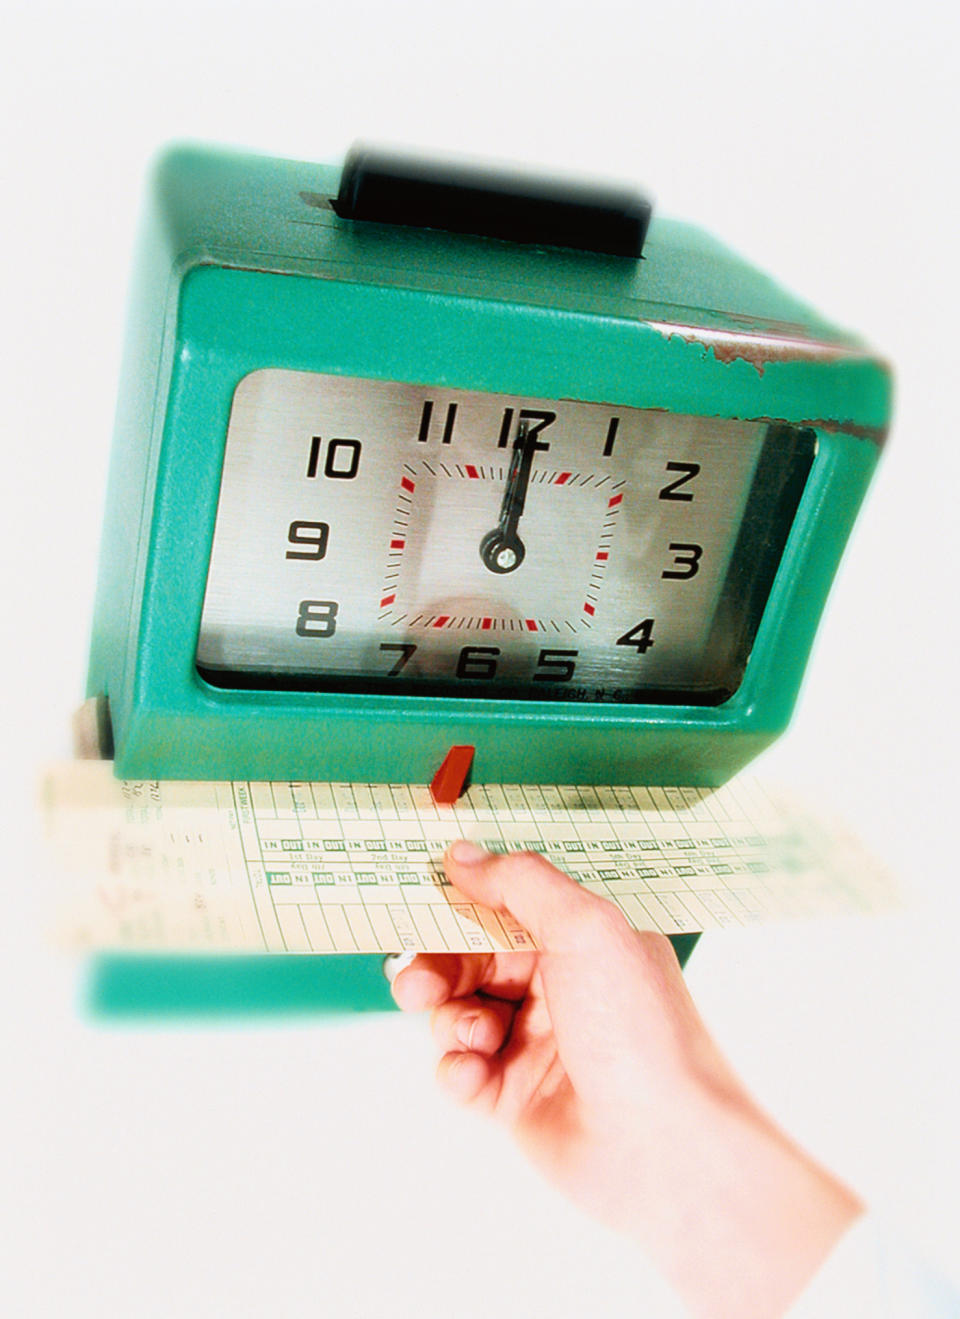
pixel 311 1168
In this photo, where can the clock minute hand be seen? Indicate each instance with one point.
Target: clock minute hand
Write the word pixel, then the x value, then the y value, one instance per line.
pixel 502 550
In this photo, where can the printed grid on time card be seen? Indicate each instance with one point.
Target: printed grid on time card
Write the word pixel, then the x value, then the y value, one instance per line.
pixel 356 867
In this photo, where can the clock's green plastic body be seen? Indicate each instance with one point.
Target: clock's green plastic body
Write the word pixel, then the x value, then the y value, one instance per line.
pixel 243 266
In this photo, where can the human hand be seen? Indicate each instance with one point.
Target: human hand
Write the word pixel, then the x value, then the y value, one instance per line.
pixel 593 1054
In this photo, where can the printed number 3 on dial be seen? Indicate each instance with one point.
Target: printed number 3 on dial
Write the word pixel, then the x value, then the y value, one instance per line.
pixel 387 537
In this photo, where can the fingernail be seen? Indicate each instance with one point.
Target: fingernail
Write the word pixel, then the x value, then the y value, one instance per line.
pixel 466 1030
pixel 468 854
pixel 394 963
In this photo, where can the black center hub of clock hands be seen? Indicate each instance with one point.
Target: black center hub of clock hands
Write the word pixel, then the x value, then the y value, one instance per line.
pixel 501 549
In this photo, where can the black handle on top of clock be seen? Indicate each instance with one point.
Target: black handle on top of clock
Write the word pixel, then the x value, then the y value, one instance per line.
pixel 492 202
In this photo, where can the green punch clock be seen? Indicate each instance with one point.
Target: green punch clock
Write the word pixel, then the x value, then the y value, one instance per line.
pixel 411 455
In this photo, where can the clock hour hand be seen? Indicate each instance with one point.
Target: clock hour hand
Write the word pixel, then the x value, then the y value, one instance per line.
pixel 502 550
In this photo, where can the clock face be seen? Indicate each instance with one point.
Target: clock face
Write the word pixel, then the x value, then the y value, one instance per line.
pixel 386 537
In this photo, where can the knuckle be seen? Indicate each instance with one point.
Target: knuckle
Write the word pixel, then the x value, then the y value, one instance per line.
pixel 604 921
pixel 534 864
pixel 507 869
pixel 513 860
pixel 440 1020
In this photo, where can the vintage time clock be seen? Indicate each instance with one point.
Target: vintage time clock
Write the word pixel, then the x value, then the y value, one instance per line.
pixel 380 486
pixel 414 454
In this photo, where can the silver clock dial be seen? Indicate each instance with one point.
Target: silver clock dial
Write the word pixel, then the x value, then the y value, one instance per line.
pixel 381 536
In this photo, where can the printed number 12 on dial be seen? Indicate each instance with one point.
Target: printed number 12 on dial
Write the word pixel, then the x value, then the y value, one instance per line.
pixel 389 537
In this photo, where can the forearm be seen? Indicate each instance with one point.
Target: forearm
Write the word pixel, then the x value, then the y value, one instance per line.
pixel 599 1062
pixel 749 1217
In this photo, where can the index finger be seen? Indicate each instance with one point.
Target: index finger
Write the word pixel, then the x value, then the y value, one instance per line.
pixel 433 978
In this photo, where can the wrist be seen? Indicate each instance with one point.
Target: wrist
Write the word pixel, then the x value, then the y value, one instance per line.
pixel 753 1218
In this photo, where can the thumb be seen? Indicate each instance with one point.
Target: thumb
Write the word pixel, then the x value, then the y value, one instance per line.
pixel 560 914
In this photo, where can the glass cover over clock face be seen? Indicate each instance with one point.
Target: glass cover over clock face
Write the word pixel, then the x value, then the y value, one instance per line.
pixel 386 537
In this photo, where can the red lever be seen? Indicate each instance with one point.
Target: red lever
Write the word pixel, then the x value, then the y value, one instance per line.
pixel 451 778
